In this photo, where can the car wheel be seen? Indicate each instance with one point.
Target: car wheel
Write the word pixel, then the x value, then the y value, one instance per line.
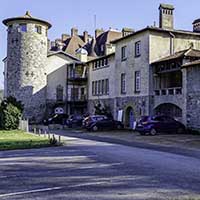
pixel 153 131
pixel 180 130
pixel 95 128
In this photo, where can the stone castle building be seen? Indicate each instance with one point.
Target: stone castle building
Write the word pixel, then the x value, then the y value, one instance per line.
pixel 154 70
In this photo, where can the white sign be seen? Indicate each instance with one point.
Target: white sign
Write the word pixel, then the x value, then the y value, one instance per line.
pixel 120 115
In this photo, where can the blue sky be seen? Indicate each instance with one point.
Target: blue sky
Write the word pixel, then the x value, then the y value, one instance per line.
pixel 64 14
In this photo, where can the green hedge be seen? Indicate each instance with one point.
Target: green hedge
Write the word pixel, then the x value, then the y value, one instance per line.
pixel 10 113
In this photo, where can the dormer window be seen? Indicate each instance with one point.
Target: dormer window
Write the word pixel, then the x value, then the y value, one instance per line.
pixel 23 27
pixel 38 29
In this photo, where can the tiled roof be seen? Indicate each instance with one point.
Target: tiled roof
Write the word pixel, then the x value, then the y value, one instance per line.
pixel 190 64
pixel 153 28
pixel 185 53
pixel 27 16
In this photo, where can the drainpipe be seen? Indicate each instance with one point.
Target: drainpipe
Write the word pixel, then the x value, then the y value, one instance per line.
pixel 171 43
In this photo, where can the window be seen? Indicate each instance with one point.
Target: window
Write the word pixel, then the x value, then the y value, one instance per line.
pixel 102 87
pixel 93 88
pixel 82 93
pixel 59 93
pixel 106 86
pixel 137 48
pixel 123 83
pixel 23 28
pixel 123 53
pixel 137 81
pixel 99 87
pixel 38 29
pixel 102 48
pixel 74 94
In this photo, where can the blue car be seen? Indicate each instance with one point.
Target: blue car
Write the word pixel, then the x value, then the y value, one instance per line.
pixel 158 124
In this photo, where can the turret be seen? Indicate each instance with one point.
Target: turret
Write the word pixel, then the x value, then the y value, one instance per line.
pixel 27 47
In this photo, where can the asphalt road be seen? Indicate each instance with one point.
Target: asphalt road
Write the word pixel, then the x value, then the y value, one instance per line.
pixel 86 169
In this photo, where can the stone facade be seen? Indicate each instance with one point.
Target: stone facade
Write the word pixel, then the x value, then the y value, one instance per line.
pixel 26 62
pixel 192 95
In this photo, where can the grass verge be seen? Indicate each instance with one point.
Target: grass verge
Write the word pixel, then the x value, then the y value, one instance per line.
pixel 17 139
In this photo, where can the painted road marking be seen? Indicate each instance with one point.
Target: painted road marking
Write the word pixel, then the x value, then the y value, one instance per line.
pixel 30 191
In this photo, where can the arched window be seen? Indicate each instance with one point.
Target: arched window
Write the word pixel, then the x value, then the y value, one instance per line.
pixel 59 93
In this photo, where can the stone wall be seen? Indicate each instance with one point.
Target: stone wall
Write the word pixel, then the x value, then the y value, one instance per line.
pixel 193 96
pixel 26 60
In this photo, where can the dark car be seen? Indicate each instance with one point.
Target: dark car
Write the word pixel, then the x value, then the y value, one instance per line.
pixel 74 121
pixel 87 121
pixel 159 124
pixel 56 119
pixel 104 124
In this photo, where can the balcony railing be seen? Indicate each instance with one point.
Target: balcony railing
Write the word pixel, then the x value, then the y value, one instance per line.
pixel 77 77
pixel 77 98
pixel 168 91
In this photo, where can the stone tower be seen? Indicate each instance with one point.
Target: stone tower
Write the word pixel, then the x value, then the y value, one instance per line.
pixel 25 75
pixel 166 19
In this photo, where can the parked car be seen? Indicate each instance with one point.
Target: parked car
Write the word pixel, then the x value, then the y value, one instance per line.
pixel 156 124
pixel 74 121
pixel 104 123
pixel 56 119
pixel 87 121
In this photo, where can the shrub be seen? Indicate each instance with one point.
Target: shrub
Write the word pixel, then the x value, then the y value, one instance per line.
pixel 99 110
pixel 10 116
pixel 10 113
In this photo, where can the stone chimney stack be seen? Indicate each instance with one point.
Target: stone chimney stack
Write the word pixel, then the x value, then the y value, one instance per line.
pixel 74 32
pixel 127 31
pixel 98 32
pixel 166 18
pixel 85 36
pixel 65 37
pixel 53 44
pixel 59 44
pixel 196 26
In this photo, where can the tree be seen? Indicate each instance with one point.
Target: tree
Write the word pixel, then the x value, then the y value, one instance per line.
pixel 100 110
pixel 10 113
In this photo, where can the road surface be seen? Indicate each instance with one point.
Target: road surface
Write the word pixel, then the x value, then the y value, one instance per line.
pixel 88 170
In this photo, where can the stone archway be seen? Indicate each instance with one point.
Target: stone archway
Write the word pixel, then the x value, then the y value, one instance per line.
pixel 129 117
pixel 169 109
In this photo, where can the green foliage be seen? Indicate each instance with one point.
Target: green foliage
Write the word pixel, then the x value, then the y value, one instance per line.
pixel 10 113
pixel 14 102
pixel 99 110
pixel 17 139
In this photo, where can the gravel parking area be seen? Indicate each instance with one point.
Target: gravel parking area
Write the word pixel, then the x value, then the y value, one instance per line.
pixel 176 140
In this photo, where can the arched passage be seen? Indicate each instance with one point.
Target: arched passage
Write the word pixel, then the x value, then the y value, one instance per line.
pixel 169 109
pixel 129 117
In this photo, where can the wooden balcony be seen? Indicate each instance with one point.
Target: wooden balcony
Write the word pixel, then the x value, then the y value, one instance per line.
pixel 168 91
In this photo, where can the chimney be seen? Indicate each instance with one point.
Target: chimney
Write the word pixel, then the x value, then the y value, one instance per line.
pixel 65 37
pixel 98 32
pixel 127 31
pixel 196 26
pixel 59 44
pixel 166 19
pixel 53 44
pixel 74 31
pixel 85 36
